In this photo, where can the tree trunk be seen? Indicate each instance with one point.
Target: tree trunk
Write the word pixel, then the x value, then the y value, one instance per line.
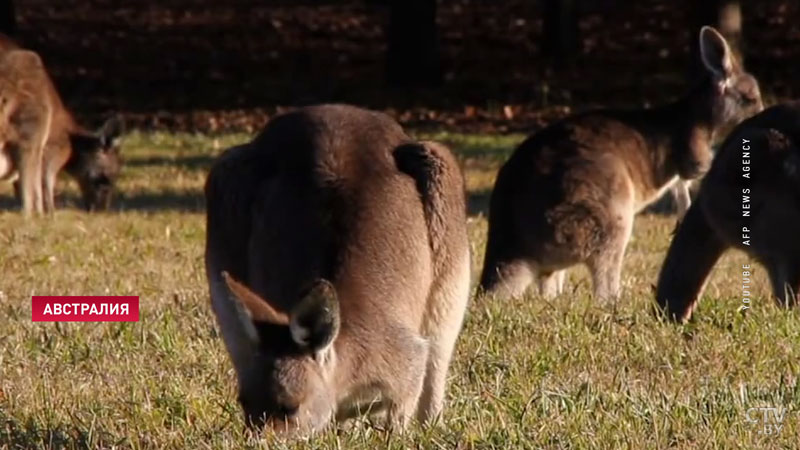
pixel 560 30
pixel 412 58
pixel 726 17
pixel 8 18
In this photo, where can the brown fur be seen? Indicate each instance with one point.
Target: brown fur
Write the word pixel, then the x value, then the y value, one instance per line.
pixel 569 193
pixel 358 234
pixel 92 159
pixel 25 122
pixel 715 222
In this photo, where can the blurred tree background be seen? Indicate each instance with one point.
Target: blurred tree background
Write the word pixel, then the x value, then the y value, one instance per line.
pixel 494 65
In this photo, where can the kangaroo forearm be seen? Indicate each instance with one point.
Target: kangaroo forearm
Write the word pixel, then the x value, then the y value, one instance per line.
pixel 690 258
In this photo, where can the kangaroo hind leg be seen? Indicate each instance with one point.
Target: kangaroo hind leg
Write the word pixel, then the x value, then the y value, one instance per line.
pixel 33 128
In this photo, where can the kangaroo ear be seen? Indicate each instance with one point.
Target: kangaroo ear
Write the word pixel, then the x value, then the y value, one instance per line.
pixel 111 131
pixel 314 322
pixel 715 53
pixel 258 308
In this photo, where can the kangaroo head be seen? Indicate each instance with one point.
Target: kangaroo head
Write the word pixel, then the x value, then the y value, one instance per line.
pixel 735 94
pixel 96 163
pixel 287 384
pixel 729 96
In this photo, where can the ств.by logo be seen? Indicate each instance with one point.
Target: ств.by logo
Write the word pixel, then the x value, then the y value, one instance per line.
pixel 85 308
pixel 770 418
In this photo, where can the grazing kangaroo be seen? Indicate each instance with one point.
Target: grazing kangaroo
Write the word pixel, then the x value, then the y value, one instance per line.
pixel 749 200
pixel 40 137
pixel 569 193
pixel 349 244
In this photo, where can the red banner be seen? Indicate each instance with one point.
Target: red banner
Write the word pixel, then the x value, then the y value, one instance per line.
pixel 85 308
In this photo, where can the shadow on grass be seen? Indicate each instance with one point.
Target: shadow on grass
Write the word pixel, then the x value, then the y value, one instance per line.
pixel 194 201
pixel 193 162
pixel 478 202
pixel 180 201
pixel 491 155
pixel 168 200
pixel 9 203
pixel 32 435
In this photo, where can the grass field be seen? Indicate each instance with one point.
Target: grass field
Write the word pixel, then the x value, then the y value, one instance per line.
pixel 569 373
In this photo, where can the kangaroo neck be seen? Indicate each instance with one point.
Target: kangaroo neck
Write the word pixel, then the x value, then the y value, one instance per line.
pixel 695 125
pixel 685 127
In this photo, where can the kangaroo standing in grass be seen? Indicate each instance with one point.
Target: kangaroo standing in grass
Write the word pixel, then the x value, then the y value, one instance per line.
pixel 25 119
pixel 40 136
pixel 757 211
pixel 349 243
pixel 569 193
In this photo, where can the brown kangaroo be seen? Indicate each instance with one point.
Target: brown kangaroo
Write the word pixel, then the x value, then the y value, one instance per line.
pixel 749 200
pixel 569 193
pixel 350 243
pixel 91 158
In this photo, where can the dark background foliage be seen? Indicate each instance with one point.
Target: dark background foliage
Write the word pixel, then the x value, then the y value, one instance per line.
pixel 210 65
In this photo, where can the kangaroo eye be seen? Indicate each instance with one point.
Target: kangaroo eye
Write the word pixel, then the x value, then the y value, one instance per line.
pixel 748 100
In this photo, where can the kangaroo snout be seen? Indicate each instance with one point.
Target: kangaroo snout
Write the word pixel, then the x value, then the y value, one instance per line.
pixel 102 200
pixel 97 194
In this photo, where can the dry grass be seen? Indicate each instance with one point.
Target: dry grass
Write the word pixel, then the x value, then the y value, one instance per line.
pixel 568 373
